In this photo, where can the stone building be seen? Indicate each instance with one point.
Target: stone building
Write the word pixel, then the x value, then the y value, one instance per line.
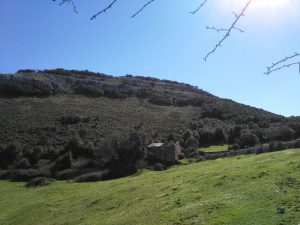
pixel 165 152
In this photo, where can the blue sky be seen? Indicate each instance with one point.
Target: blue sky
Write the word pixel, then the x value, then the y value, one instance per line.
pixel 164 41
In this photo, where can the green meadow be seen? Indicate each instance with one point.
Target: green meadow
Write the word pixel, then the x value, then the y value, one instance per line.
pixel 244 190
pixel 214 148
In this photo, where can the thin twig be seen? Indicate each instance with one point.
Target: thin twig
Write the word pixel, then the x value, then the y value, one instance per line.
pixel 222 29
pixel 68 2
pixel 103 10
pixel 232 27
pixel 276 66
pixel 201 5
pixel 141 9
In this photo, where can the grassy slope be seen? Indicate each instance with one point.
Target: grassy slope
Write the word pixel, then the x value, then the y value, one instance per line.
pixel 242 190
pixel 27 119
pixel 214 148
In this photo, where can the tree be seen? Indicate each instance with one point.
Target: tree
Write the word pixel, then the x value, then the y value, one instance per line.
pixel 279 65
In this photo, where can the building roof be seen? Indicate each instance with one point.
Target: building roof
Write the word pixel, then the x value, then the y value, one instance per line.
pixel 155 145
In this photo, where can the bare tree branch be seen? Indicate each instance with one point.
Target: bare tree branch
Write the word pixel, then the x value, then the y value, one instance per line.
pixel 196 10
pixel 103 10
pixel 68 2
pixel 222 29
pixel 232 27
pixel 282 64
pixel 141 9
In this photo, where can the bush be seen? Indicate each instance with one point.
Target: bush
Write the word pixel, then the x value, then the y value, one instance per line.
pixel 34 154
pixel 219 136
pixel 85 164
pixel 4 174
pixel 91 177
pixel 259 149
pixel 20 86
pixel 275 146
pixel 23 164
pixel 158 167
pixel 78 149
pixel 26 71
pixel 235 146
pixel 233 134
pixel 285 133
pixel 39 181
pixel 44 164
pixel 248 139
pixel 297 144
pixel 131 150
pixel 187 135
pixel 68 174
pixel 91 90
pixel 10 154
pixel 63 162
pixel 27 174
pixel 206 137
pixel 191 142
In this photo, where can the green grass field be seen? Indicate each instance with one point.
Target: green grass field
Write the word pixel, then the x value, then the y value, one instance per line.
pixel 243 190
pixel 214 148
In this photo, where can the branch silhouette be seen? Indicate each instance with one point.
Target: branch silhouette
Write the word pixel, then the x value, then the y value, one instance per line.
pixel 232 27
pixel 283 63
pixel 68 2
pixel 103 10
pixel 222 29
pixel 201 5
pixel 141 9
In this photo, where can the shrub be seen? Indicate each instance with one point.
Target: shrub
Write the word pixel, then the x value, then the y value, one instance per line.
pixel 34 154
pixel 23 163
pixel 187 135
pixel 206 137
pixel 143 93
pixel 285 133
pixel 91 177
pixel 191 152
pixel 85 163
pixel 27 174
pixel 297 144
pixel 63 162
pixel 42 164
pixel 39 181
pixel 248 139
pixel 219 136
pixel 131 150
pixel 191 142
pixel 233 134
pixel 276 146
pixel 78 149
pixel 259 149
pixel 160 100
pixel 4 174
pixel 68 174
pixel 91 90
pixel 26 71
pixel 235 146
pixel 158 167
pixel 10 154
pixel 20 86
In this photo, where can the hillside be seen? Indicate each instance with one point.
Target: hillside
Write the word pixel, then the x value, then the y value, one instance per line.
pixel 241 190
pixel 64 124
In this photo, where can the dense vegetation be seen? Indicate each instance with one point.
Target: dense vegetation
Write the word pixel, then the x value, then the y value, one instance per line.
pixel 90 126
pixel 239 190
